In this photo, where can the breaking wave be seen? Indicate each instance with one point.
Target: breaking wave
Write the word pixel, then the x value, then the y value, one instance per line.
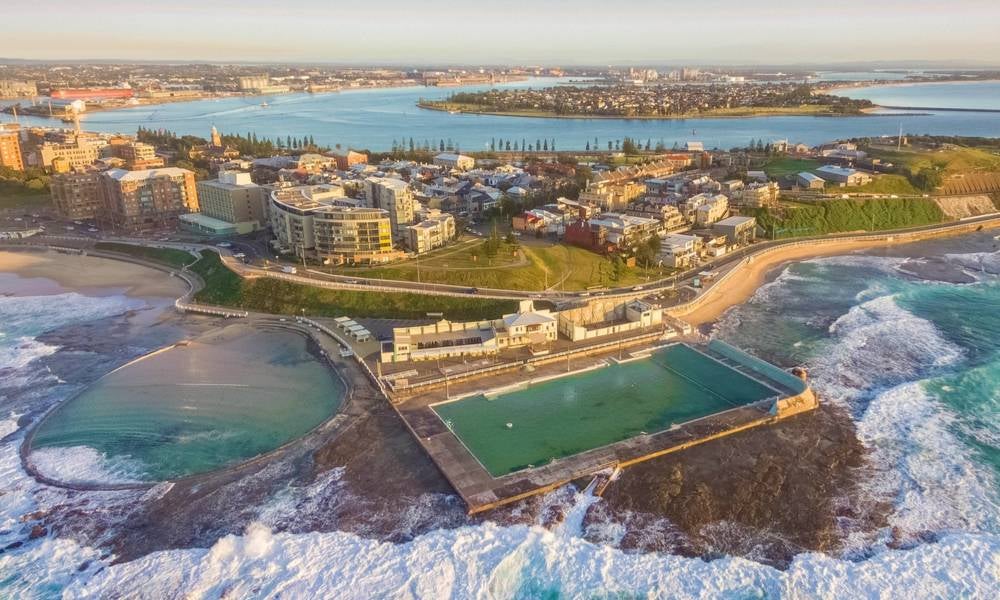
pixel 880 360
pixel 525 562
pixel 83 465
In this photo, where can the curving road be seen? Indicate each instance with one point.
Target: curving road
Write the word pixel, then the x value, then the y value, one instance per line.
pixel 326 280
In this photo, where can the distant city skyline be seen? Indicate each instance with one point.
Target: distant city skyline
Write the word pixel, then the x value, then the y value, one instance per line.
pixel 584 32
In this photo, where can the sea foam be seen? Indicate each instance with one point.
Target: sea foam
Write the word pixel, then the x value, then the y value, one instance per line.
pixel 83 464
pixel 489 561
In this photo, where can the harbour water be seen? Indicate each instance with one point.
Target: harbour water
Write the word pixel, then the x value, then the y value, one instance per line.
pixel 972 95
pixel 914 359
pixel 374 119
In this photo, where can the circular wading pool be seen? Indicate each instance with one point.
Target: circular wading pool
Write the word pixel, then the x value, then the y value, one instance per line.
pixel 188 409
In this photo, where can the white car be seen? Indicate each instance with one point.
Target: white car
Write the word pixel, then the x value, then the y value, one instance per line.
pixel 224 245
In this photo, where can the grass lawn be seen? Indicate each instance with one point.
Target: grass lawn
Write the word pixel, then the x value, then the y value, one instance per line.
pixel 521 267
pixel 173 257
pixel 223 287
pixel 780 166
pixel 11 197
pixel 836 216
pixel 952 161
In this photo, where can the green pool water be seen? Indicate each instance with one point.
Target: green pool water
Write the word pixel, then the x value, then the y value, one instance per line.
pixel 576 413
pixel 195 408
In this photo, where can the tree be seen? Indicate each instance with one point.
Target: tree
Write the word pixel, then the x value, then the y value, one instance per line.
pixel 629 147
pixel 588 146
pixel 926 179
pixel 617 267
pixel 646 252
pixel 611 145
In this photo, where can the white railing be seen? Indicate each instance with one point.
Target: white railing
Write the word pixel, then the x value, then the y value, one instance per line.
pixel 343 342
pixel 183 306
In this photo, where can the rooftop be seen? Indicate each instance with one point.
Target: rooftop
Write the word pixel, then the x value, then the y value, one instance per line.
pixel 735 221
pixel 123 175
pixel 308 197
pixel 835 170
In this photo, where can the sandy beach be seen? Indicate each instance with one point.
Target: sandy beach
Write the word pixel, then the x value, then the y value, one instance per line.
pixel 90 274
pixel 751 273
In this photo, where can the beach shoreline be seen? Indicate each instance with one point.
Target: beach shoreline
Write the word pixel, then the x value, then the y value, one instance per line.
pixel 745 278
pixel 88 275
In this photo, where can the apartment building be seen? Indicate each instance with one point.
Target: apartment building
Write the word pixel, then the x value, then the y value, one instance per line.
pixel 78 152
pixel 10 147
pixel 711 211
pixel 433 232
pixel 235 199
pixel 140 201
pixel 353 235
pixel 395 197
pixel 78 195
pixel 137 155
pixel 316 222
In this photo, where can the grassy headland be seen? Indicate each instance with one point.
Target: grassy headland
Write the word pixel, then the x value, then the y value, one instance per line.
pixel 839 216
pixel 225 288
pixel 512 267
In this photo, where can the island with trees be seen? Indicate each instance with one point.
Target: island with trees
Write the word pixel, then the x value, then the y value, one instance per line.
pixel 662 101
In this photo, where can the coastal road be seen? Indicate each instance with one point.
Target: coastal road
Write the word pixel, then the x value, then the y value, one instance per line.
pixel 678 280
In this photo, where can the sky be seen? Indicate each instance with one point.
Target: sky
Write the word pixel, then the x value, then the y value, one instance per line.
pixel 547 32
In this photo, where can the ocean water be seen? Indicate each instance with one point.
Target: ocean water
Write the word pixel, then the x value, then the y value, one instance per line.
pixel 914 362
pixel 189 409
pixel 373 119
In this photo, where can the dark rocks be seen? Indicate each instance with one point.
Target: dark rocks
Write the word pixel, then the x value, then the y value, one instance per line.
pixel 783 484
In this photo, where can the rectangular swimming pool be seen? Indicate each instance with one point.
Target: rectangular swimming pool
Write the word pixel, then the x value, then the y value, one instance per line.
pixel 576 413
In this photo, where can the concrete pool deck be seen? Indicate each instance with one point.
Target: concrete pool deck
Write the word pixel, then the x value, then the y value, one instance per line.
pixel 481 491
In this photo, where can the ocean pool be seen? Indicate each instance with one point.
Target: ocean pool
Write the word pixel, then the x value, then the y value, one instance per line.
pixel 565 416
pixel 213 402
